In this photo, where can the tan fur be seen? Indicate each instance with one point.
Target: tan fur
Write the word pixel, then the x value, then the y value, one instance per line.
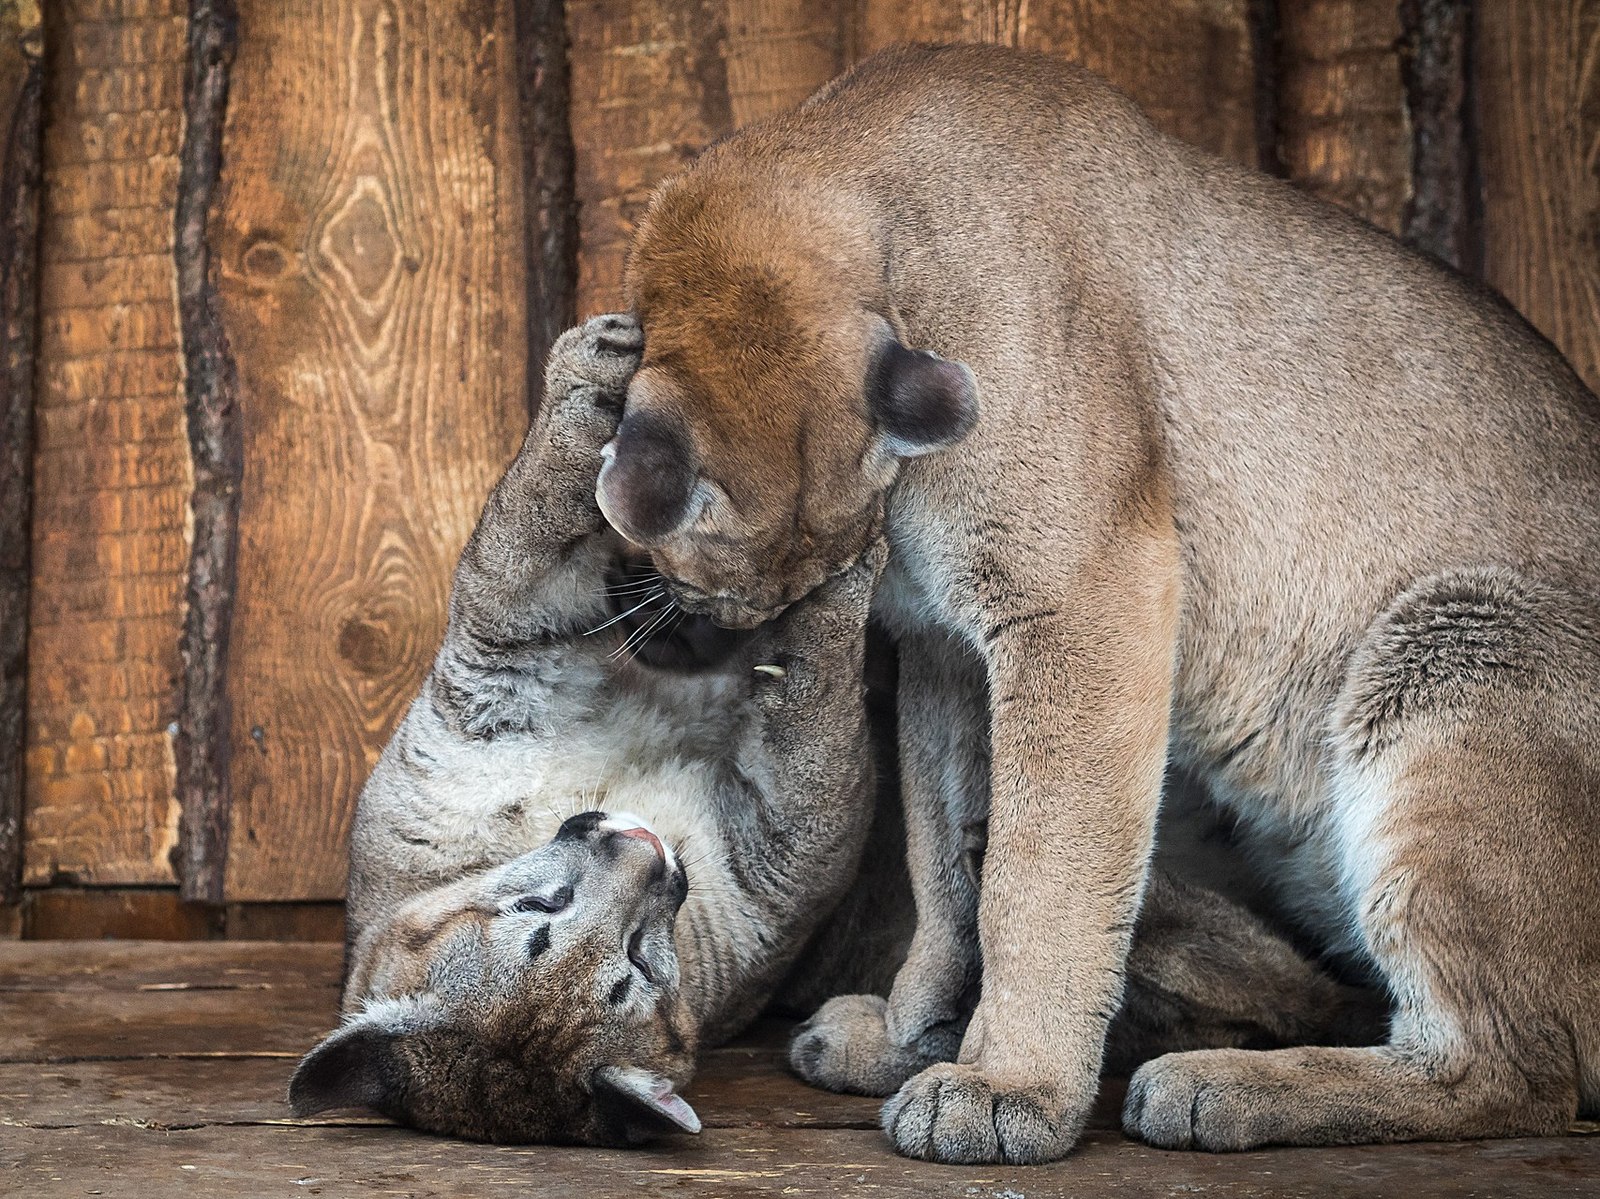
pixel 1252 488
pixel 493 990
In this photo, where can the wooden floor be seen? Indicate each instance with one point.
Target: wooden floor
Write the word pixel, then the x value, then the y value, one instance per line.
pixel 154 1069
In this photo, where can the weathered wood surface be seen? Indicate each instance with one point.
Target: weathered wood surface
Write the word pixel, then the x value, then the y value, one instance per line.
pixel 733 1090
pixel 233 1161
pixel 91 913
pixel 21 113
pixel 1443 216
pixel 1189 63
pixel 1539 122
pixel 111 467
pixel 367 239
pixel 1341 111
pixel 550 205
pixel 132 965
pixel 201 748
pixel 160 1067
pixel 653 81
pixel 160 914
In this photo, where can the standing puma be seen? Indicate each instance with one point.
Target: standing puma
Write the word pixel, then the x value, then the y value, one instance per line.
pixel 1253 489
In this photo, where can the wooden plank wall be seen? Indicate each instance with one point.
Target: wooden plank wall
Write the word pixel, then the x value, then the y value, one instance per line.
pixel 111 462
pixel 287 308
pixel 367 243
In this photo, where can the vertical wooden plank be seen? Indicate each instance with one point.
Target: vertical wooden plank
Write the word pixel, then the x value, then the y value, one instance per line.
pixel 1343 128
pixel 1538 73
pixel 21 84
pixel 1189 63
pixel 111 464
pixel 653 81
pixel 367 244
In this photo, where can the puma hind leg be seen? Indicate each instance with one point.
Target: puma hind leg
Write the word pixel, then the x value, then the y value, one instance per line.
pixel 1468 757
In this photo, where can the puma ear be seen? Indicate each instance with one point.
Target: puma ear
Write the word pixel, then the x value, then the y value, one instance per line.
pixel 920 401
pixel 358 1066
pixel 641 1103
pixel 648 479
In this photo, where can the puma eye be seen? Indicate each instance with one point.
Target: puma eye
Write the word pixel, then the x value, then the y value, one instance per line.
pixel 556 902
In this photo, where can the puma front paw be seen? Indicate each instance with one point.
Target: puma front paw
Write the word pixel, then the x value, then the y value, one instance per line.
pixel 845 1047
pixel 954 1114
pixel 586 379
pixel 599 355
pixel 1171 1104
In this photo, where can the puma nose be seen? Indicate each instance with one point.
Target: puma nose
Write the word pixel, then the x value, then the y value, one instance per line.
pixel 645 835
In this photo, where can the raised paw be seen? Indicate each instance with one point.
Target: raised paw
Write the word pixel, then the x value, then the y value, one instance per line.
pixel 1203 1099
pixel 953 1114
pixel 817 643
pixel 600 355
pixel 586 380
pixel 845 1047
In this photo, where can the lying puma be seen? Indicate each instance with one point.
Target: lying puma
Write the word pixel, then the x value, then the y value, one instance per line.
pixel 520 974
pixel 517 972
pixel 1252 489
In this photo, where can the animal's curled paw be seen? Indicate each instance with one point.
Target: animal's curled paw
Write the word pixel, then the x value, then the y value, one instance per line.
pixel 593 363
pixel 1196 1101
pixel 953 1114
pixel 845 1047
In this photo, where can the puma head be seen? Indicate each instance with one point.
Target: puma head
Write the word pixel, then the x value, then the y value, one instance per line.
pixel 775 400
pixel 535 1002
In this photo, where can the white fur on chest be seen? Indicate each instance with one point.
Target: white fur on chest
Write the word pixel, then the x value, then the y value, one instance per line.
pixel 654 755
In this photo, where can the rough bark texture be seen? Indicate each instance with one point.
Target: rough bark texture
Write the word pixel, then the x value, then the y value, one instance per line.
pixel 21 87
pixel 215 446
pixel 550 206
pixel 111 460
pixel 367 245
pixel 1436 63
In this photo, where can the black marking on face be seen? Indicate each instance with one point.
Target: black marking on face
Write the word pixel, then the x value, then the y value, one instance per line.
pixel 620 989
pixel 581 825
pixel 539 942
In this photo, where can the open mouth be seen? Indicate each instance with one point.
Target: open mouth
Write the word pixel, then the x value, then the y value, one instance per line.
pixel 656 630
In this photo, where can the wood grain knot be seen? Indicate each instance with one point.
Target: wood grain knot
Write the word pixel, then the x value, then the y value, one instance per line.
pixel 360 242
pixel 264 260
pixel 365 645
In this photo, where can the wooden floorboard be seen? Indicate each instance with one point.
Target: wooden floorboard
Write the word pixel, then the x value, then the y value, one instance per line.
pixel 156 1069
